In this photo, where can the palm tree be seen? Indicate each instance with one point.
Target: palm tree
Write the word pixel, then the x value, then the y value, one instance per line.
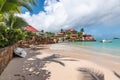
pixel 15 21
pixel 82 30
pixel 9 7
pixel 7 10
pixel 15 5
pixel 61 30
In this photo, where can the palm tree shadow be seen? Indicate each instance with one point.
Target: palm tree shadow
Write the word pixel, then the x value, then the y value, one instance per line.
pixel 56 58
pixel 90 74
pixel 34 67
pixel 68 60
pixel 116 74
pixel 53 58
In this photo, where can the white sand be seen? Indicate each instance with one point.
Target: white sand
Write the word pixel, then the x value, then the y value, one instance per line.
pixel 60 63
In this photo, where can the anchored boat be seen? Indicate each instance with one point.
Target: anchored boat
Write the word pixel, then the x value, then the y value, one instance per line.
pixel 106 41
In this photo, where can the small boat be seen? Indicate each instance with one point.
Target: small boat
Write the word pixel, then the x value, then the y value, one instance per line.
pixel 20 52
pixel 116 38
pixel 106 41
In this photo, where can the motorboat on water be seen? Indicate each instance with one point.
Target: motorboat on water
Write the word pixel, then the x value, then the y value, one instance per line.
pixel 106 41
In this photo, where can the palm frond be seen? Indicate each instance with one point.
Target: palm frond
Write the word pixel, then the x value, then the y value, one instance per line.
pixel 91 75
pixel 19 22
pixel 14 5
pixel 32 2
pixel 9 7
pixel 27 6
pixel 15 21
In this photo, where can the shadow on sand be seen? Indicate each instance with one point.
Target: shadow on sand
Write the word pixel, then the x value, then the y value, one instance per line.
pixel 34 67
pixel 91 74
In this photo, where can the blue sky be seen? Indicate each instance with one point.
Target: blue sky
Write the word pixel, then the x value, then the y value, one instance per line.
pixel 104 31
pixel 98 18
pixel 36 9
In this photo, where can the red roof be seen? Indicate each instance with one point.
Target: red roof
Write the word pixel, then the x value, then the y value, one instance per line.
pixel 59 34
pixel 30 28
pixel 73 35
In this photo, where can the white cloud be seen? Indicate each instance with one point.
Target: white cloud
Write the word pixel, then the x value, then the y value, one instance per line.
pixel 75 13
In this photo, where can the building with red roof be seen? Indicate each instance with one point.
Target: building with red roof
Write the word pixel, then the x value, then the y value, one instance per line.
pixel 59 35
pixel 30 28
pixel 73 36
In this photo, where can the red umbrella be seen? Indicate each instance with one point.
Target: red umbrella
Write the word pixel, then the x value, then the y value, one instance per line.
pixel 30 28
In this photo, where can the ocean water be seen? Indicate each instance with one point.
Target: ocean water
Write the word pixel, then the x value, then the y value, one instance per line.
pixel 108 48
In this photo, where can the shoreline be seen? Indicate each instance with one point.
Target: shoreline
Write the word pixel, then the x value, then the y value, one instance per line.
pixel 55 62
pixel 92 50
pixel 104 49
pixel 81 53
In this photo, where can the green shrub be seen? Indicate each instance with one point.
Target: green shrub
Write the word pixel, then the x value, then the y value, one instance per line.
pixel 3 38
pixel 10 36
pixel 14 35
pixel 3 41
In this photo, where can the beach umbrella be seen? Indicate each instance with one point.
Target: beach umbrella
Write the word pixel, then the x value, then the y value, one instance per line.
pixel 30 28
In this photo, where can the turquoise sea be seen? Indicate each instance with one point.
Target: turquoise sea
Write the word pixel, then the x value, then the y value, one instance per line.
pixel 109 48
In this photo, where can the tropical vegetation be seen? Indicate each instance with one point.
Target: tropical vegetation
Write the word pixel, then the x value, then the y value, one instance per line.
pixel 11 25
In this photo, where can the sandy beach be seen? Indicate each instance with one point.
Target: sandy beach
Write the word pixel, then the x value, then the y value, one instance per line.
pixel 61 62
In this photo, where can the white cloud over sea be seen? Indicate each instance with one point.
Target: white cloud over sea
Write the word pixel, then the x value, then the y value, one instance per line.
pixel 75 13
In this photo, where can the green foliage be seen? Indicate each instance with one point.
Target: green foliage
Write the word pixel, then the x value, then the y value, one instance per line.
pixel 28 34
pixel 3 41
pixel 1 19
pixel 42 31
pixel 14 5
pixel 19 22
pixel 61 30
pixel 79 34
pixel 10 24
pixel 3 34
pixel 74 32
pixel 68 33
pixel 82 30
pixel 50 34
pixel 10 36
pixel 14 35
pixel 14 21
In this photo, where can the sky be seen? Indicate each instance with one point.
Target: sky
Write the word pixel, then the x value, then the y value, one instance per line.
pixel 101 18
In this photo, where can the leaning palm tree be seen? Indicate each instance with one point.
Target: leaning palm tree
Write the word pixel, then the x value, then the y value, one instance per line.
pixel 9 7
pixel 15 21
pixel 15 5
